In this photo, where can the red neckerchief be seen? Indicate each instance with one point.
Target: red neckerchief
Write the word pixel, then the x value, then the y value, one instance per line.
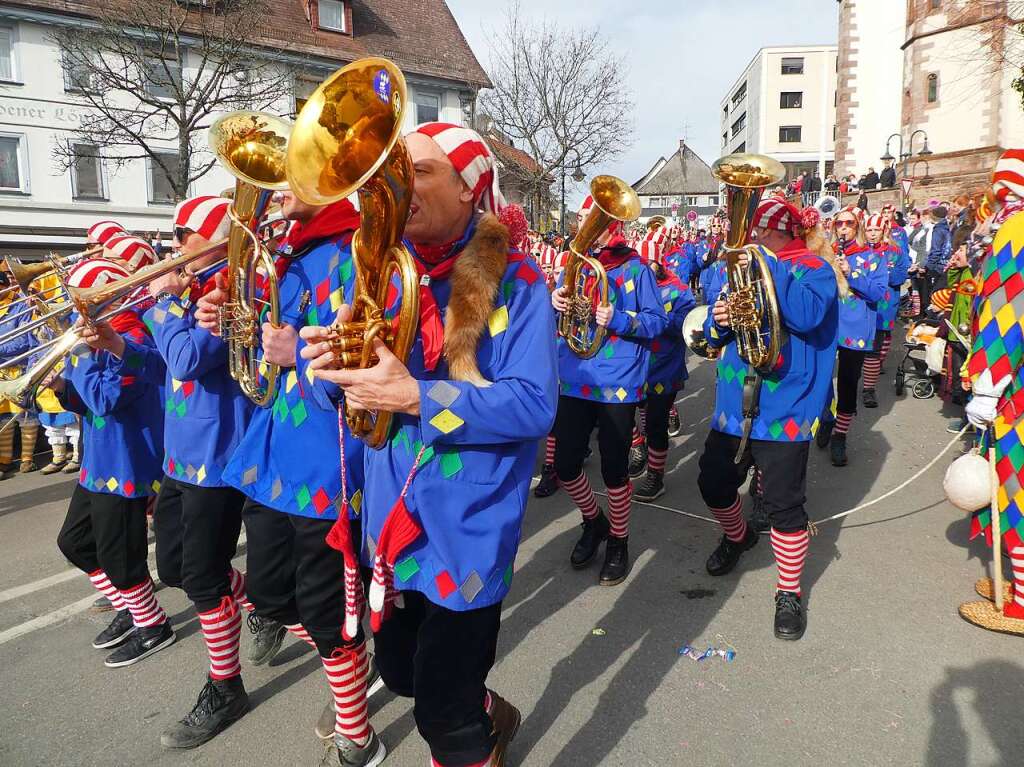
pixel 796 247
pixel 128 322
pixel 611 256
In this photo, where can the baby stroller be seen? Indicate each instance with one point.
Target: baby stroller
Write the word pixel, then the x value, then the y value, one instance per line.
pixel 922 364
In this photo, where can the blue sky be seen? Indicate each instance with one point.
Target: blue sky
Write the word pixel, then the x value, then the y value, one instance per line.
pixel 682 56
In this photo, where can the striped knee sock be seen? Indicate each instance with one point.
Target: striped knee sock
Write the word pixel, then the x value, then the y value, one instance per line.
pixel 790 551
pixel 29 435
pixel 549 451
pixel 872 369
pixel 759 479
pixel 731 519
pixel 145 609
pixel 638 437
pixel 221 629
pixel 238 589
pixel 103 585
pixel 582 495
pixel 656 459
pixel 1016 607
pixel 620 500
pixel 301 633
pixel 886 346
pixel 346 674
pixel 6 442
pixel 843 421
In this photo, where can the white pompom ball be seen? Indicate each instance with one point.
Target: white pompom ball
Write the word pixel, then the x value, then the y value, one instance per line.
pixel 967 483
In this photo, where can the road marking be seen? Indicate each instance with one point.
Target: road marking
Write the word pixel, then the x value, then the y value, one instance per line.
pixel 47 620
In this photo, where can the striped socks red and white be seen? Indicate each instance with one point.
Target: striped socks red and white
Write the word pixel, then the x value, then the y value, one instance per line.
pixel 915 303
pixel 301 633
pixel 1015 607
pixel 638 437
pixel 872 369
pixel 238 589
pixel 103 585
pixel 620 500
pixel 582 495
pixel 549 451
pixel 731 519
pixel 790 551
pixel 886 346
pixel 221 628
pixel 145 609
pixel 346 673
pixel 843 421
pixel 656 459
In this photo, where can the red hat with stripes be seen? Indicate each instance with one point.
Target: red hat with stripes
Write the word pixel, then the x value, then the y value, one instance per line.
pixel 133 252
pixel 777 214
pixel 96 272
pixel 615 227
pixel 652 247
pixel 206 215
pixel 877 221
pixel 853 210
pixel 102 231
pixel 472 159
pixel 1008 177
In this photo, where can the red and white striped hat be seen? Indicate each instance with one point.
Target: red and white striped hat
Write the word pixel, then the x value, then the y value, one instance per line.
pixel 102 231
pixel 472 160
pixel 878 220
pixel 206 215
pixel 776 214
pixel 546 256
pixel 652 247
pixel 133 252
pixel 615 227
pixel 561 260
pixel 853 210
pixel 95 272
pixel 1008 177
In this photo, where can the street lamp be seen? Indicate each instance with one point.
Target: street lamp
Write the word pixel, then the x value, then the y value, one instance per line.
pixel 904 157
pixel 577 175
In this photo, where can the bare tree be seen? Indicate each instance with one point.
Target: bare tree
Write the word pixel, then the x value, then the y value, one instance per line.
pixel 559 95
pixel 157 72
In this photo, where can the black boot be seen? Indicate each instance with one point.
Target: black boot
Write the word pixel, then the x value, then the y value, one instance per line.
pixel 616 562
pixel 724 558
pixel 651 487
pixel 869 398
pixel 637 460
pixel 267 637
pixel 824 433
pixel 594 531
pixel 548 484
pixel 220 704
pixel 790 619
pixel 838 449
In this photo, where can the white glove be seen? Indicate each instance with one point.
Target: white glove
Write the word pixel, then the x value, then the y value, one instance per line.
pixel 981 410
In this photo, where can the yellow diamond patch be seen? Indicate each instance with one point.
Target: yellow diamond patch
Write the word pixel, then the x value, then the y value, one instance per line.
pixel 659 388
pixel 1006 318
pixel 629 286
pixel 290 381
pixel 621 394
pixel 336 299
pixel 176 310
pixel 446 421
pixel 668 306
pixel 201 474
pixel 309 373
pixel 498 322
pixel 156 486
pixel 175 384
pixel 111 484
pixel 357 502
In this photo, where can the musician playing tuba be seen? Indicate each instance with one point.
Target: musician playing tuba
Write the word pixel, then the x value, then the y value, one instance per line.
pixel 794 393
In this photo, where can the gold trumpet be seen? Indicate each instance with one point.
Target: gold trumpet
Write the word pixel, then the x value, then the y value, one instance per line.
pixel 347 139
pixel 251 146
pixel 614 200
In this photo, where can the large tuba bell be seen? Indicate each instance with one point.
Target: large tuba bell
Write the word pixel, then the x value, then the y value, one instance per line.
pixel 347 139
pixel 614 200
pixel 252 147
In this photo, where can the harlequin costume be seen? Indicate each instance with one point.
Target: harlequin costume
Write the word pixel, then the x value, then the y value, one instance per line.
pixel 444 499
pixel 603 392
pixel 26 421
pixel 794 394
pixel 104 533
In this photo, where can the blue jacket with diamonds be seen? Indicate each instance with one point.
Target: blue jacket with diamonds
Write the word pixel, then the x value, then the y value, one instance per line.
pixel 618 372
pixel 794 394
pixel 898 264
pixel 288 457
pixel 869 279
pixel 668 351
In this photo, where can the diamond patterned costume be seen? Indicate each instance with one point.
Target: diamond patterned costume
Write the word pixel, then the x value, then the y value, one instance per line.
pixel 667 371
pixel 869 281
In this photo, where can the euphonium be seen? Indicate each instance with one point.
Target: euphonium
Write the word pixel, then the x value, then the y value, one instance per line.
pixel 614 200
pixel 347 138
pixel 251 146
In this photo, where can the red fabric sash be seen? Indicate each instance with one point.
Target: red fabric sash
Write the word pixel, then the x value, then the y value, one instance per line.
pixel 431 327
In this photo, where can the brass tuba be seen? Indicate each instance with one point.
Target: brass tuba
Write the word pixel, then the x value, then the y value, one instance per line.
pixel 251 146
pixel 614 200
pixel 347 139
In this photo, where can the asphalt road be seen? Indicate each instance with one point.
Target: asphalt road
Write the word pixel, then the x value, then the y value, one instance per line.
pixel 887 673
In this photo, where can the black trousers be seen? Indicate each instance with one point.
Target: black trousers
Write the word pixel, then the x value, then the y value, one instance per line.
pixel 441 659
pixel 293 576
pixel 575 421
pixel 106 532
pixel 196 537
pixel 848 379
pixel 656 418
pixel 783 466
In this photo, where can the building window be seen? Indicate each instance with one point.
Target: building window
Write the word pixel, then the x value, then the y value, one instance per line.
pixel 740 124
pixel 933 88
pixel 331 15
pixel 741 148
pixel 8 62
pixel 162 76
pixel 713 201
pixel 77 75
pixel 691 201
pixel 789 134
pixel 161 191
pixel 87 173
pixel 428 107
pixel 791 100
pixel 13 175
pixel 739 95
pixel 725 138
pixel 792 66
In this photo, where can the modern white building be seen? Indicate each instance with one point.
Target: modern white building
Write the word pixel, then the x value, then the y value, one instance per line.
pixel 43 209
pixel 783 105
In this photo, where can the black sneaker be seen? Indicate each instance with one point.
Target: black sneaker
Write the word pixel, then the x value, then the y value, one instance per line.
pixel 548 484
pixel 220 704
pixel 790 619
pixel 141 644
pixel 869 398
pixel 616 562
pixel 759 520
pixel 824 433
pixel 637 460
pixel 674 425
pixel 837 448
pixel 114 634
pixel 267 637
pixel 651 487
pixel 347 754
pixel 324 727
pixel 724 558
pixel 594 531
